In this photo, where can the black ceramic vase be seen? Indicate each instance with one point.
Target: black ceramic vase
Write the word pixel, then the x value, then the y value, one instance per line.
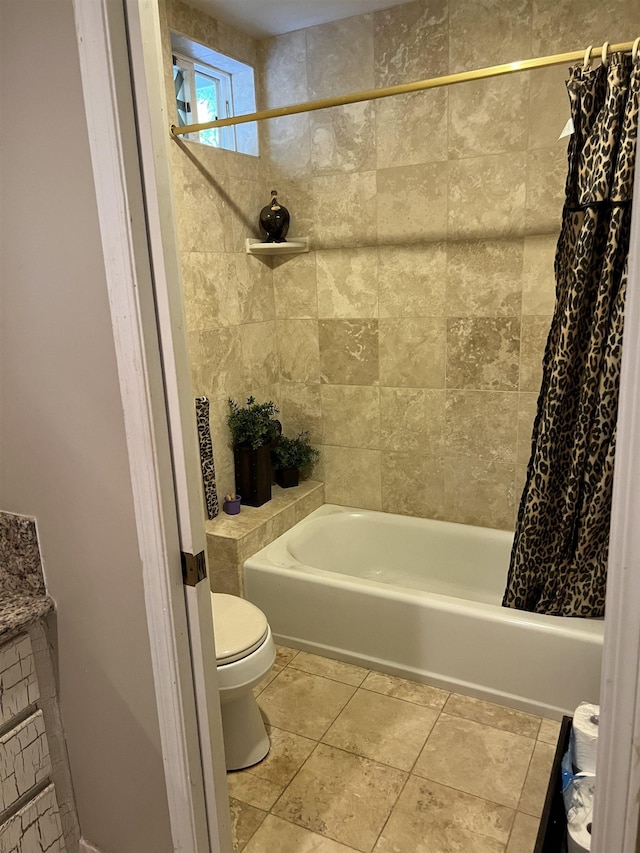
pixel 274 221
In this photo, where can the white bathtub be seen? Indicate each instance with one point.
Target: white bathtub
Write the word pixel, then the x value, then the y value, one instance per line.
pixel 421 599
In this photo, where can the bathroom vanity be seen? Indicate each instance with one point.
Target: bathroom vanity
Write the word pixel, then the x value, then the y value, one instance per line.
pixel 37 809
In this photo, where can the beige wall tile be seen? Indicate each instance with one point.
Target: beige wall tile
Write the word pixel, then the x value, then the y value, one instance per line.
pixel 412 484
pixel 347 283
pixel 344 211
pixel 487 196
pixel 286 142
pixel 412 419
pixel 483 352
pixel 582 22
pixel 216 360
pixel 308 504
pixel 412 353
pixel 546 175
pixel 340 57
pixel 241 202
pixel 403 137
pixel 481 424
pixel 301 409
pixel 351 416
pixel 343 139
pixel 259 354
pixel 479 493
pixel 538 276
pixel 533 338
pixel 255 289
pixel 486 32
pixel 294 284
pixel 488 116
pixel 352 477
pixel 484 278
pixel 348 352
pixel 412 203
pixel 412 280
pixel 210 290
pixel 410 42
pixel 527 408
pixel 225 577
pixel 299 354
pixel 284 69
pixel 548 107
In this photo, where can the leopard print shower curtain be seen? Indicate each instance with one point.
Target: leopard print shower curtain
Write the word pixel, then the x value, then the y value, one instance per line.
pixel 559 557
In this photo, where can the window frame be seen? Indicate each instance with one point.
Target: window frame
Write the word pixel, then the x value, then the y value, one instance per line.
pixel 224 97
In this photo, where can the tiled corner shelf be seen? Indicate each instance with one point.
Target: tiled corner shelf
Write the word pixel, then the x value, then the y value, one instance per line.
pixel 292 246
pixel 231 539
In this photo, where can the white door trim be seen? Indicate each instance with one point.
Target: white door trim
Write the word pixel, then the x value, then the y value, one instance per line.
pixel 615 820
pixel 105 72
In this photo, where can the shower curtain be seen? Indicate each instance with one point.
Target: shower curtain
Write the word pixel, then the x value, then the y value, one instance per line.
pixel 559 557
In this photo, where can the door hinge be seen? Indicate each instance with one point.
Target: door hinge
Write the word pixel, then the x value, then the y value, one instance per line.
pixel 194 568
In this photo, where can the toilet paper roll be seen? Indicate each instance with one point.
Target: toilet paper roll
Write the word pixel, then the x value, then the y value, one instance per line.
pixel 578 838
pixel 585 737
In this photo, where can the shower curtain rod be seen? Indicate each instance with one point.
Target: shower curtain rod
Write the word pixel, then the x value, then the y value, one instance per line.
pixel 420 85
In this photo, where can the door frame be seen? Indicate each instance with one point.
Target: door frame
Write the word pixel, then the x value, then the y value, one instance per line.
pixel 146 344
pixel 141 259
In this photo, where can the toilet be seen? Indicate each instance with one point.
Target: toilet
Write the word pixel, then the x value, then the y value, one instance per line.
pixel 245 653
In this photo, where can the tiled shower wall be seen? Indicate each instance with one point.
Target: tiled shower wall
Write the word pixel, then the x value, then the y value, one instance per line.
pixel 228 295
pixel 408 342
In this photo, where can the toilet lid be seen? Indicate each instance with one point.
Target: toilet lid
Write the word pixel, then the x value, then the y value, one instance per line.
pixel 239 627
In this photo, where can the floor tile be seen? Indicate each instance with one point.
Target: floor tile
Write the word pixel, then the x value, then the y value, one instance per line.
pixel 302 703
pixel 537 781
pixel 287 754
pixel 382 728
pixel 338 670
pixel 477 759
pixel 401 688
pixel 523 834
pixel 506 719
pixel 245 820
pixel 343 796
pixel 284 655
pixel 280 836
pixel 247 788
pixel 549 732
pixel 430 818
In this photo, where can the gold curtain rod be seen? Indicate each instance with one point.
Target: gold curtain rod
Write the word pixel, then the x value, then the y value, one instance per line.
pixel 404 88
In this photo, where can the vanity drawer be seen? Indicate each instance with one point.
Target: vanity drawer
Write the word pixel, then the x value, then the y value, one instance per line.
pixel 24 759
pixel 35 828
pixel 18 681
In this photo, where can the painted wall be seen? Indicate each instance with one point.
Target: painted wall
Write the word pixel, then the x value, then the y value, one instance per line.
pixel 410 340
pixel 63 454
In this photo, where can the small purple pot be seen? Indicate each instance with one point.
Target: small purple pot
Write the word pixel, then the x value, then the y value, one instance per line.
pixel 232 507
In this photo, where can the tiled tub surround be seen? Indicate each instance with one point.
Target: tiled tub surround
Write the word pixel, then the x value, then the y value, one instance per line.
pixel 421 599
pixel 233 538
pixel 370 762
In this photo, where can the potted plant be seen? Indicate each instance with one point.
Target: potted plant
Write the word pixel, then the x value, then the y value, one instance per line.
pixel 253 429
pixel 289 455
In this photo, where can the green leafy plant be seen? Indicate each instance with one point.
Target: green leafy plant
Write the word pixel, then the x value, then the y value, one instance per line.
pixel 253 425
pixel 294 452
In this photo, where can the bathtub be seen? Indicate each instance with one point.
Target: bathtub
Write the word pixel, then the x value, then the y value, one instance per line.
pixel 421 599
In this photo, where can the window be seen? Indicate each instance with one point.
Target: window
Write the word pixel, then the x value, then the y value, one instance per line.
pixel 208 86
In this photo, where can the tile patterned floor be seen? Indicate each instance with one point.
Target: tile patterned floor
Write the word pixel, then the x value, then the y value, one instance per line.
pixel 369 762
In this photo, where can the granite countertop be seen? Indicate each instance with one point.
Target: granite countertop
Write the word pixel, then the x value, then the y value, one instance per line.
pixel 19 610
pixel 23 595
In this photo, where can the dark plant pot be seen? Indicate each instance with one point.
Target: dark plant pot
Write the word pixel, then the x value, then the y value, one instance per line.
pixel 253 474
pixel 286 478
pixel 232 507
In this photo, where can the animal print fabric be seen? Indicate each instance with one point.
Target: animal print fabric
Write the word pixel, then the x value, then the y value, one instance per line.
pixel 559 557
pixel 206 458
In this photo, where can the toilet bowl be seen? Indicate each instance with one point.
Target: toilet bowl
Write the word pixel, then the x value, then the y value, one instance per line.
pixel 245 653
